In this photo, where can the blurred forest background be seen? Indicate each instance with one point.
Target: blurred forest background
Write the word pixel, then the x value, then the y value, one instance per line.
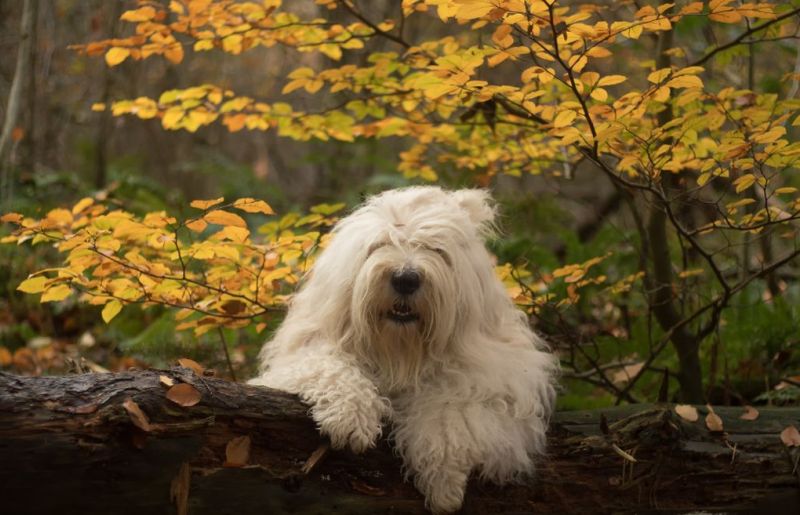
pixel 61 151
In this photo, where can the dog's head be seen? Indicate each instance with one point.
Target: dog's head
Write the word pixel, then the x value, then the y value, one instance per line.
pixel 414 273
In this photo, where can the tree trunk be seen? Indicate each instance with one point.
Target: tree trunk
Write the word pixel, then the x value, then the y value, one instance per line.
pixel 73 445
pixel 21 70
pixel 662 298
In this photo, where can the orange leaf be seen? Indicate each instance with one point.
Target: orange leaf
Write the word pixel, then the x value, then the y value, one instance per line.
pixel 251 205
pixel 184 395
pixel 192 364
pixel 220 217
pixel 11 217
pixel 237 452
pixel 205 204
pixel 137 416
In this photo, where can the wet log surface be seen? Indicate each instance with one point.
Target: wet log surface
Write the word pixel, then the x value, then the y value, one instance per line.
pixel 70 445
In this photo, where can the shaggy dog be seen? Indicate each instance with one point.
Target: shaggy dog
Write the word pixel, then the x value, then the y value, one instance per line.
pixel 403 320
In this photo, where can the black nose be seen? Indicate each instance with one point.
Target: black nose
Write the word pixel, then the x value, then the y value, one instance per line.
pixel 405 281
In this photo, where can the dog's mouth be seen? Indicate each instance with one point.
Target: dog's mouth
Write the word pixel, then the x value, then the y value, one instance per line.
pixel 402 314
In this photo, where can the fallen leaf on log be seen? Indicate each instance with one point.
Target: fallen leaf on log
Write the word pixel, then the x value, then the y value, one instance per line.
pixel 237 452
pixel 790 437
pixel 713 422
pixel 137 416
pixel 179 489
pixel 184 394
pixel 166 381
pixel 191 364
pixel 750 413
pixel 687 412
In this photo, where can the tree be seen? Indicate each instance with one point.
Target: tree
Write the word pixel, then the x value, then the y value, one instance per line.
pixel 624 94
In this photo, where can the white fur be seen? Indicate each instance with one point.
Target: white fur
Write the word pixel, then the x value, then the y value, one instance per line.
pixel 467 387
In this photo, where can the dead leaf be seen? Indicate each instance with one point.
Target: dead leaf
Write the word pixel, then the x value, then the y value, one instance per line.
pixel 713 422
pixel 184 394
pixel 364 488
pixel 179 489
pixel 750 413
pixel 234 307
pixel 166 381
pixel 192 364
pixel 790 437
pixel 237 452
pixel 687 412
pixel 136 415
pixel 627 373
pixel 315 458
pixel 5 357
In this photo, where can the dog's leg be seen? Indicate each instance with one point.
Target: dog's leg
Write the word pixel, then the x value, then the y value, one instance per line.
pixel 438 451
pixel 344 403
pixel 442 442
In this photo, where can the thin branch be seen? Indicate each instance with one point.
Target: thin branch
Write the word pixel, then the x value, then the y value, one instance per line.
pixel 741 37
pixel 227 355
pixel 352 10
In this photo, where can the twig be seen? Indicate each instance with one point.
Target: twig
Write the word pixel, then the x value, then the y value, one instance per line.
pixel 227 355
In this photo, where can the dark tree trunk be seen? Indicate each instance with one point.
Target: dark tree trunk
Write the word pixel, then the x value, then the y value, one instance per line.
pixel 70 445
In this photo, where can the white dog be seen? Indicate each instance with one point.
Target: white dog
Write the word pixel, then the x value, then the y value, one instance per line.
pixel 403 320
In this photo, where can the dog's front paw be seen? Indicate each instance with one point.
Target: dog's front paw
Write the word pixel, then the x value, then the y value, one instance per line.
pixel 443 489
pixel 349 424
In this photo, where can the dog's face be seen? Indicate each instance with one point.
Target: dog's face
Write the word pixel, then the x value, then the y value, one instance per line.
pixel 419 266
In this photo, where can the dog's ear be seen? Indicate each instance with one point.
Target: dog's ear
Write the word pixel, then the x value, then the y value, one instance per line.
pixel 478 204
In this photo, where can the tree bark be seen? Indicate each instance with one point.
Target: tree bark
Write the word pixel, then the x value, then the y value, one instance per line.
pixel 70 445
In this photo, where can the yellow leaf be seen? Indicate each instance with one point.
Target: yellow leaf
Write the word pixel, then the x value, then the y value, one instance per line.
pixel 111 310
pixel 730 16
pixel 171 118
pixel 685 81
pixel 659 75
pixel 198 225
pixel 744 182
pixel 599 94
pixel 610 80
pixel 82 204
pixel 237 234
pixel 146 13
pixel 787 189
pixel 116 55
pixel 32 284
pixel 56 293
pixel 661 94
pixel 769 136
pixel 564 118
pixel 203 44
pixel 205 204
pixel 251 205
pixel 220 217
pixel 474 9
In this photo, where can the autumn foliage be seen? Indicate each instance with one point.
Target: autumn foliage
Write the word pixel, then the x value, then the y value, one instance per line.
pixel 488 88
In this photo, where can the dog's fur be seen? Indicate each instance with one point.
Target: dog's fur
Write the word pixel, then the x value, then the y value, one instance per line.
pixel 452 365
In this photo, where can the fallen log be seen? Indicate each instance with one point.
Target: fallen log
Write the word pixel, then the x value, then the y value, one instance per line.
pixel 114 443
